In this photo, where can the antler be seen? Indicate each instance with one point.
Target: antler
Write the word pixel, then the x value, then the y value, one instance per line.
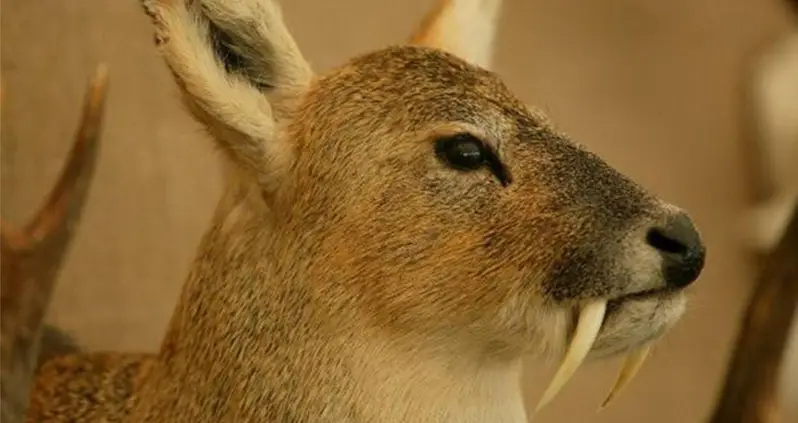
pixel 749 391
pixel 32 257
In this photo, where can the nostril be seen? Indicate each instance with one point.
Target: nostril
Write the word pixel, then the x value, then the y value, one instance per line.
pixel 659 239
pixel 681 248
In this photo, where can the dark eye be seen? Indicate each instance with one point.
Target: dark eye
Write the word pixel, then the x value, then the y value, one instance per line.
pixel 467 152
pixel 461 151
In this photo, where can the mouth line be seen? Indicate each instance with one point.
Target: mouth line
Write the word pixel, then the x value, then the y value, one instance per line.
pixel 643 295
pixel 613 304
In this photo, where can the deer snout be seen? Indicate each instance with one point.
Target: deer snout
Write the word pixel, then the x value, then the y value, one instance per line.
pixel 681 248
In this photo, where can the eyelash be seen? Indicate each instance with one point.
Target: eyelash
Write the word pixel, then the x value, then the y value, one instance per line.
pixel 466 153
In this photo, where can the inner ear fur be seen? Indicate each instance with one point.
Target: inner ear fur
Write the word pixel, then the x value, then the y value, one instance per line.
pixel 239 70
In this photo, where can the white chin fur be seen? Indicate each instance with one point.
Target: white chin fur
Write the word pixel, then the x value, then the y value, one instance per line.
pixel 637 322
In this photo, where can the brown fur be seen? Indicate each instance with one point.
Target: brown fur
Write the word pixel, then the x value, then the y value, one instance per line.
pixel 349 275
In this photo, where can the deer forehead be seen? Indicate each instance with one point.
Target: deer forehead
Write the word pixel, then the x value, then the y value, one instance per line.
pixel 400 90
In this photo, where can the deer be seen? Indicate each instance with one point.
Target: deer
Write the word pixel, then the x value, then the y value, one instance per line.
pixel 395 236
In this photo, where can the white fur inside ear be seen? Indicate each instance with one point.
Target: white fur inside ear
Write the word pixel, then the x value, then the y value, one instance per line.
pixel 242 118
pixel 466 28
pixel 227 98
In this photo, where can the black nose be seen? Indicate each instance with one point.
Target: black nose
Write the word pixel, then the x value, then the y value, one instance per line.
pixel 683 251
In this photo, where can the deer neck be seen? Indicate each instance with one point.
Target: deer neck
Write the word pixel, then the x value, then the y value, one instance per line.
pixel 250 341
pixel 398 381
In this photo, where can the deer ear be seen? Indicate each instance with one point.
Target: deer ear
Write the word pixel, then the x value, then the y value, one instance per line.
pixel 466 28
pixel 239 71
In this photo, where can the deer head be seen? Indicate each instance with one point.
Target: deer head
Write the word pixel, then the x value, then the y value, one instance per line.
pixel 402 210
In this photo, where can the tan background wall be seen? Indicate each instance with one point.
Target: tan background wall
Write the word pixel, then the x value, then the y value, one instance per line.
pixel 653 86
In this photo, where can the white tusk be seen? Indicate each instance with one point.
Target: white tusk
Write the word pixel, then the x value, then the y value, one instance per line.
pixel 631 365
pixel 587 328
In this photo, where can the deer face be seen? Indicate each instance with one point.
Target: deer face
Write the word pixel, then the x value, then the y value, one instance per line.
pixel 430 201
pixel 448 206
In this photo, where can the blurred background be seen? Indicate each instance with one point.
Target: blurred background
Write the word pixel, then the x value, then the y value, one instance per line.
pixel 655 87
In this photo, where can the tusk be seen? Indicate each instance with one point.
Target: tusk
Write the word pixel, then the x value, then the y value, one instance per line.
pixel 587 328
pixel 631 365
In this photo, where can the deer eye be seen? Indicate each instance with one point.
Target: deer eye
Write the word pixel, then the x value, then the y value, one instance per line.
pixel 462 152
pixel 467 152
